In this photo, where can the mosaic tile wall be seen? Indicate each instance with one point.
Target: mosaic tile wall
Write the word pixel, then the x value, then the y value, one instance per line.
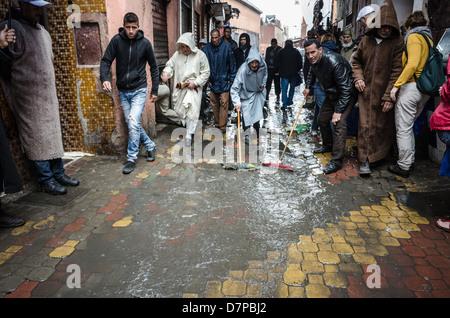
pixel 87 117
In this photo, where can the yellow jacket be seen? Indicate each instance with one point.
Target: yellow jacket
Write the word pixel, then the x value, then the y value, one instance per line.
pixel 418 51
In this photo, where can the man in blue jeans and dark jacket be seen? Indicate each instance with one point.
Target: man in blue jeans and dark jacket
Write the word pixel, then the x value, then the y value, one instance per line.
pixel 289 62
pixel 132 52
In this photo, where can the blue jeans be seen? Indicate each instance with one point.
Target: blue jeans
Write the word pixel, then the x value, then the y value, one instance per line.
pixel 133 104
pixel 47 170
pixel 319 96
pixel 288 83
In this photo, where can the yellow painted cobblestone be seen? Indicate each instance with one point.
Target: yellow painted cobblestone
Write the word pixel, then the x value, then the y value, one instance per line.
pixel 10 252
pixel 317 291
pixel 314 264
pixel 213 289
pixel 63 251
pixel 254 291
pixel 296 292
pixel 335 280
pixel 312 267
pixel 328 257
pixel 126 221
pixel 234 288
pixel 307 247
pixel 294 275
pixel 342 248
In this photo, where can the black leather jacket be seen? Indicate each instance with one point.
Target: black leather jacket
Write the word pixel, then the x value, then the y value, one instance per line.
pixel 334 74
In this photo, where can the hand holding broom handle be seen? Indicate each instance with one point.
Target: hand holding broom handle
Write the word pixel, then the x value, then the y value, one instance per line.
pixel 239 135
pixel 292 130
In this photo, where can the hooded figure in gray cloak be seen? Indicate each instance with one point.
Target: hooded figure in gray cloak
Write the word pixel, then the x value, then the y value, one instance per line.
pixel 248 91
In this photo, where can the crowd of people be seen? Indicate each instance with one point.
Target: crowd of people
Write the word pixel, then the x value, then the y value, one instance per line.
pixel 366 83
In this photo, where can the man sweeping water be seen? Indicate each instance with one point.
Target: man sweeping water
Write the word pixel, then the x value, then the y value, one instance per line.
pixel 248 90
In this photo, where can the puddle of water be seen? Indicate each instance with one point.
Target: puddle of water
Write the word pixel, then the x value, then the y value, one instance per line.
pixel 427 204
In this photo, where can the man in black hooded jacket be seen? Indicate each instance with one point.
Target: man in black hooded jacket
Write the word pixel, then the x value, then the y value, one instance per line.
pixel 132 51
pixel 241 52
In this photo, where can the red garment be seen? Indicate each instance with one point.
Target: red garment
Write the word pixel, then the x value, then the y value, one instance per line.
pixel 440 120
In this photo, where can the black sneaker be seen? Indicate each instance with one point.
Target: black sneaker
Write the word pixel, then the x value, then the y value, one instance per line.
pixel 66 180
pixel 53 188
pixel 151 155
pixel 128 167
pixel 332 167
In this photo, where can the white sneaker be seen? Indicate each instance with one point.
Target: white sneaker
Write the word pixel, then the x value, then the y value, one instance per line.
pixel 364 168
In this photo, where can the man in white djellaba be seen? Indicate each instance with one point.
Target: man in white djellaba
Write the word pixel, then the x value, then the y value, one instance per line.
pixel 189 69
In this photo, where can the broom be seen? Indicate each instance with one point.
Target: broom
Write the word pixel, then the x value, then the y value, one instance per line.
pixel 279 165
pixel 241 165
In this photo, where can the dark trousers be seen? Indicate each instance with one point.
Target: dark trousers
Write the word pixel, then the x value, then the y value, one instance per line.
pixel 335 141
pixel 256 125
pixel 276 80
pixel 47 170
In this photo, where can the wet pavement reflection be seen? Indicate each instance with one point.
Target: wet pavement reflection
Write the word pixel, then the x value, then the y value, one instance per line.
pixel 190 224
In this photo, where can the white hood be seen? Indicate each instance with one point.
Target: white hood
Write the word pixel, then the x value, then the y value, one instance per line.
pixel 187 39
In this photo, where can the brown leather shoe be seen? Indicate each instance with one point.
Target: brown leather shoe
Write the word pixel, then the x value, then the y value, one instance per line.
pixel 7 220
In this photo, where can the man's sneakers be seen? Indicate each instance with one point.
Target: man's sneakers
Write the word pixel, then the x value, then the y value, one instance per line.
pixel 66 180
pixel 151 155
pixel 364 168
pixel 52 187
pixel 332 167
pixel 128 167
pixel 56 186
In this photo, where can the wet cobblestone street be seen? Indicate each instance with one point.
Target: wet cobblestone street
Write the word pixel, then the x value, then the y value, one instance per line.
pixel 198 230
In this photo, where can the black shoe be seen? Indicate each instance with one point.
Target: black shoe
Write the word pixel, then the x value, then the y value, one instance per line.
pixel 322 150
pixel 53 188
pixel 151 155
pixel 66 180
pixel 7 220
pixel 128 168
pixel 333 166
pixel 398 171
